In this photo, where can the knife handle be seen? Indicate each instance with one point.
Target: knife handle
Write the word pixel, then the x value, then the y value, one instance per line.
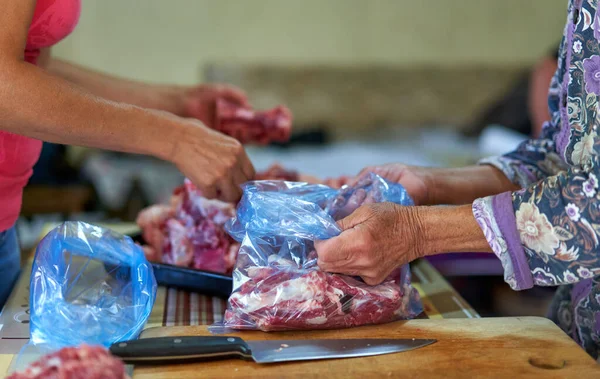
pixel 169 349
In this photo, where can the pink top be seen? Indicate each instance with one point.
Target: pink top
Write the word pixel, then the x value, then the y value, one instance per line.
pixel 52 21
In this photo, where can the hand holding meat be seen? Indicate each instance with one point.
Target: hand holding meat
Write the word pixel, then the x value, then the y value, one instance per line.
pixel 216 163
pixel 376 239
pixel 201 101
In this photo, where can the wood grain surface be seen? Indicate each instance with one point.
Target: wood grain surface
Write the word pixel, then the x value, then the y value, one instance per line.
pixel 491 347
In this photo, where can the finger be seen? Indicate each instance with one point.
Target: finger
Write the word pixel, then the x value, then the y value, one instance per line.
pixel 229 192
pixel 364 172
pixel 340 248
pixel 234 95
pixel 372 281
pixel 210 192
pixel 239 178
pixel 247 167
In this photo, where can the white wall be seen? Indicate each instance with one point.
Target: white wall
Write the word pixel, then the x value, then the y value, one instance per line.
pixel 169 40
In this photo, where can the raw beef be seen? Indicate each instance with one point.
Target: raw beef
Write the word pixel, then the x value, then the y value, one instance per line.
pixel 190 232
pixel 279 298
pixel 247 125
pixel 277 283
pixel 85 362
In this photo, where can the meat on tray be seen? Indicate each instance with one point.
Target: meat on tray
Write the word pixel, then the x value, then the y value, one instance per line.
pixel 189 231
pixel 84 362
pixel 250 126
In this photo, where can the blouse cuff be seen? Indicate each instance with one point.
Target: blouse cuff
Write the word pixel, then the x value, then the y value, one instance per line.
pixel 496 218
pixel 516 171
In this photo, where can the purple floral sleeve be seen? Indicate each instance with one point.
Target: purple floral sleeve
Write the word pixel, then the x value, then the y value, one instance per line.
pixel 548 233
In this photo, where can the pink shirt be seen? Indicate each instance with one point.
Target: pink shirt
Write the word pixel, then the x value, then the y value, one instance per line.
pixel 52 21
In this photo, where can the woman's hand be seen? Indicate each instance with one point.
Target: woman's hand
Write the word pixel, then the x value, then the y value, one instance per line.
pixel 200 102
pixel 416 180
pixel 215 163
pixel 439 186
pixel 376 239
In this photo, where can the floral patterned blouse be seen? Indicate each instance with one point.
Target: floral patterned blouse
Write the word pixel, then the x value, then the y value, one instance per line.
pixel 548 233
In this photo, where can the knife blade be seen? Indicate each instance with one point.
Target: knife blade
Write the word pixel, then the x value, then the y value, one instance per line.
pixel 169 349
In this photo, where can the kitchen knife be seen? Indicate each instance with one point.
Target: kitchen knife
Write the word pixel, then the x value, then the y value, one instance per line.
pixel 169 349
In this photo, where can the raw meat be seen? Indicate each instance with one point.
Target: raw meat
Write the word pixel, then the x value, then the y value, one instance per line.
pixel 277 282
pixel 291 298
pixel 247 125
pixel 85 362
pixel 189 231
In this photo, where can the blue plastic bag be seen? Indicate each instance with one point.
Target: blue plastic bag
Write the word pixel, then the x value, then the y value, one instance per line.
pixel 277 284
pixel 89 285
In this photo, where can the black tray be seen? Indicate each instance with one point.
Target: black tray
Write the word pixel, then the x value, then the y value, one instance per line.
pixel 204 282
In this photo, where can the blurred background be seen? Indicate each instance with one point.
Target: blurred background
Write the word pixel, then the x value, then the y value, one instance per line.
pixel 435 83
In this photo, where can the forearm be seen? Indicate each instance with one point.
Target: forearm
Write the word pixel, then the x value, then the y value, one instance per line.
pixel 166 98
pixel 36 104
pixel 457 186
pixel 449 230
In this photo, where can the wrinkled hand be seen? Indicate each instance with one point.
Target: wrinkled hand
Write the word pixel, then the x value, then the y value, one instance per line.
pixel 200 102
pixel 414 179
pixel 376 239
pixel 215 163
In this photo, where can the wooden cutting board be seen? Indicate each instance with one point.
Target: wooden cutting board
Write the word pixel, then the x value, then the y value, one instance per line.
pixel 490 347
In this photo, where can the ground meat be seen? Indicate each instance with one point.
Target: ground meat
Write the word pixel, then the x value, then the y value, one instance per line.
pixel 85 362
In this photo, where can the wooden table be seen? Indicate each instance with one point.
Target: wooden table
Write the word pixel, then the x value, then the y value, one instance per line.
pixel 515 347
pixel 181 308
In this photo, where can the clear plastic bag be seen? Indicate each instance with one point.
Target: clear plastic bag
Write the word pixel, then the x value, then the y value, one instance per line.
pixel 277 284
pixel 89 285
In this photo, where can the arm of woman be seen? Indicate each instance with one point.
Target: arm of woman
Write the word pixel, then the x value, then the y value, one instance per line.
pixel 160 97
pixel 37 104
pixel 195 102
pixel 448 186
pixel 546 234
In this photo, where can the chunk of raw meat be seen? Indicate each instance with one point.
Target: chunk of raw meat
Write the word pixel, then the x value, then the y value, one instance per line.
pixel 85 362
pixel 274 299
pixel 189 231
pixel 152 223
pixel 247 125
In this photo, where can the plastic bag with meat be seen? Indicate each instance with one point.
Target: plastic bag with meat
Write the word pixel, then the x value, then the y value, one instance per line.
pixel 277 283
